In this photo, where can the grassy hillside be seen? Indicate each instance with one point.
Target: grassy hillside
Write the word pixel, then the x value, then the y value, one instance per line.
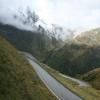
pixel 79 56
pixel 18 81
pixel 74 59
pixel 93 77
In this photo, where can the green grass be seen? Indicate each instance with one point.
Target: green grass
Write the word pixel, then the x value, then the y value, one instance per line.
pixel 87 93
pixel 93 77
pixel 18 80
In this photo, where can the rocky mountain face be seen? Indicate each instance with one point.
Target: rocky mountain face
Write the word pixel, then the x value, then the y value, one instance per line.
pixel 91 38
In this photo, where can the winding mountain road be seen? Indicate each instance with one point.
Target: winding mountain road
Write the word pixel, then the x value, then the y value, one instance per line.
pixel 52 84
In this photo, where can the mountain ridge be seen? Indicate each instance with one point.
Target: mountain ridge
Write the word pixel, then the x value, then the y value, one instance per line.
pixel 37 43
pixel 76 58
pixel 90 38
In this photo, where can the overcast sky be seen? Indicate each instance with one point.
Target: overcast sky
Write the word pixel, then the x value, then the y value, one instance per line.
pixel 67 13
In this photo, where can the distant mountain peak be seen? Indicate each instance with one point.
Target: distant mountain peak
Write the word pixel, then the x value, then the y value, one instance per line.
pixel 91 37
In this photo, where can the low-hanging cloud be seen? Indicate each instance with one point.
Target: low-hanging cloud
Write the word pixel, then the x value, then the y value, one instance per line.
pixel 68 13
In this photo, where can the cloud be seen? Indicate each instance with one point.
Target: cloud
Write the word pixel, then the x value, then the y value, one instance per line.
pixel 67 13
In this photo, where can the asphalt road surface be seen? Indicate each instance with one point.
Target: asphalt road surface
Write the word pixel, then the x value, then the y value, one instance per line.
pixel 51 83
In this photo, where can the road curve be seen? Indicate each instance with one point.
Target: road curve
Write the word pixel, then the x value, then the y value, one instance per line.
pixel 80 82
pixel 52 84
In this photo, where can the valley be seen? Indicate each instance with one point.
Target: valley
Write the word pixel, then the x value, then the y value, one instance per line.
pixel 76 58
pixel 49 50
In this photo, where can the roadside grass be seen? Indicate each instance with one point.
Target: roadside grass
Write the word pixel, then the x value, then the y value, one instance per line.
pixel 93 77
pixel 87 93
pixel 18 80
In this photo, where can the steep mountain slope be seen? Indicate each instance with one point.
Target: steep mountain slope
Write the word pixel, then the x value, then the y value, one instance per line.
pixel 77 57
pixel 93 77
pixel 90 38
pixel 18 81
pixel 37 43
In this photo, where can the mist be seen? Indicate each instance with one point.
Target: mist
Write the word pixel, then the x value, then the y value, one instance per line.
pixel 74 14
